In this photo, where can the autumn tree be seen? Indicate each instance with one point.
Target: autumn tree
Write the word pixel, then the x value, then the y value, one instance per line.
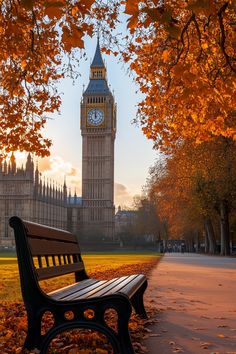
pixel 216 183
pixel 198 190
pixel 170 185
pixel 147 223
pixel 183 55
pixel 38 47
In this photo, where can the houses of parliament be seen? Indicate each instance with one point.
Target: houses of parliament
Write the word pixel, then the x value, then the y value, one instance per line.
pixel 23 191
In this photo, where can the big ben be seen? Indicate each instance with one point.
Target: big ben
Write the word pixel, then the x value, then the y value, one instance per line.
pixel 98 129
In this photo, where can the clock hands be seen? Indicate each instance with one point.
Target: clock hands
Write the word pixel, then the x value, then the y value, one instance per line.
pixel 95 116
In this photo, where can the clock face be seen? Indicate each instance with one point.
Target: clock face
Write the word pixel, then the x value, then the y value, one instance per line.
pixel 95 116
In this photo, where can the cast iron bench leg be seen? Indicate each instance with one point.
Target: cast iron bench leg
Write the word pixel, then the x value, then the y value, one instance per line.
pixel 123 329
pixel 33 338
pixel 137 301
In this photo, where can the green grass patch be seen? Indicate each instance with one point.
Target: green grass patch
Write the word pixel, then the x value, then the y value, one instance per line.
pixel 7 255
pixel 99 265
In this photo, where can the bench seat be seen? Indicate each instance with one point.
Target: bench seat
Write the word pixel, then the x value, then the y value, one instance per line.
pixel 91 288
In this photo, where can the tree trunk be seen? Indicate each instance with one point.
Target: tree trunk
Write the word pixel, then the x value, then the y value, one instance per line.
pixel 197 241
pixel 224 228
pixel 210 235
pixel 206 241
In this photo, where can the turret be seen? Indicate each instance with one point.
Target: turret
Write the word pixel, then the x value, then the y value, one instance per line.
pixel 13 163
pixel 1 165
pixel 69 198
pixel 44 191
pixel 65 191
pixel 75 197
pixel 36 181
pixel 36 174
pixel 29 167
pixel 5 167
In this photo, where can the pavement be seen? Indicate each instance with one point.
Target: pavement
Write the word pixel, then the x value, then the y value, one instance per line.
pixel 196 299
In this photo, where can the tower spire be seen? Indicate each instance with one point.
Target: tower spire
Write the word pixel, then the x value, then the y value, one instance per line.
pixel 97 59
pixel 98 77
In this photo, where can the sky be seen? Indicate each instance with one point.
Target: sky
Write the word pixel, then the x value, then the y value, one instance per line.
pixel 133 152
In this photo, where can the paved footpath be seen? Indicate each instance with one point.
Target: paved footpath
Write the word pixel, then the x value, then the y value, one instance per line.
pixel 196 296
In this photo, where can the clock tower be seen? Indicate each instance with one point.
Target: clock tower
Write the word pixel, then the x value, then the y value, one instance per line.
pixel 98 129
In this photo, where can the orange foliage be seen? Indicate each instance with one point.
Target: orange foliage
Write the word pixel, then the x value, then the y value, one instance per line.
pixel 183 54
pixel 33 37
pixel 36 39
pixel 192 184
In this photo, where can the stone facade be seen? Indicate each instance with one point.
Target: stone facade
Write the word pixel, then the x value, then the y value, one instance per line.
pixel 25 194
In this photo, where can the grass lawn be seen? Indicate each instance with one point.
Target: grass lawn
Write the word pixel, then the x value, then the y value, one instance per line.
pixel 98 265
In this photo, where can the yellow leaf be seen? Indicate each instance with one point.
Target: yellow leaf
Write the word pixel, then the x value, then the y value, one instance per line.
pixel 23 64
pixel 165 55
pixel 204 45
pixel 194 116
pixel 74 10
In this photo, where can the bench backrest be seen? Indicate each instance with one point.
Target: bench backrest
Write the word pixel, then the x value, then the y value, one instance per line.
pixel 44 252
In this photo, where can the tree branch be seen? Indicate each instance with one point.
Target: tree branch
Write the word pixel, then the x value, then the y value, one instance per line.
pixel 223 36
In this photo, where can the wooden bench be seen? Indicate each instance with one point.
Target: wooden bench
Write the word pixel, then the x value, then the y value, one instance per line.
pixel 44 252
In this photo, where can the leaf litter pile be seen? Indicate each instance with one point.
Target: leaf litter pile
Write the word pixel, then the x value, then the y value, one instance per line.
pixel 13 324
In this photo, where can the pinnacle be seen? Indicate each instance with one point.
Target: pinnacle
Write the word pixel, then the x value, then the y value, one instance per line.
pixel 97 60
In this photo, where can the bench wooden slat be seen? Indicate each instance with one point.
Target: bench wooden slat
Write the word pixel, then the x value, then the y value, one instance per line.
pixel 130 288
pixel 50 272
pixel 48 248
pixel 93 288
pixel 111 288
pixel 70 289
pixel 42 231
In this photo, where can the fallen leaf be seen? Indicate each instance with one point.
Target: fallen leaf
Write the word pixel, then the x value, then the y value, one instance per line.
pixel 155 335
pixel 172 343
pixel 223 326
pixel 205 345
